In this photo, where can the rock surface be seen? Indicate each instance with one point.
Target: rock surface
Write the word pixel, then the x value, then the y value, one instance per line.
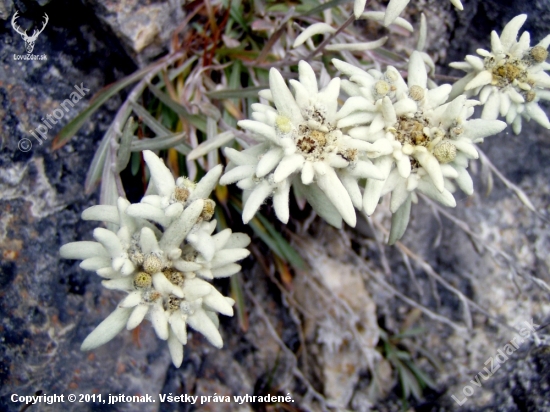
pixel 49 305
pixel 144 27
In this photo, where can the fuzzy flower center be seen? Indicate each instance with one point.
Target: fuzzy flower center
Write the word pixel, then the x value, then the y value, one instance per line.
pixel 311 141
pixel 416 132
pixel 511 70
pixel 315 137
pixel 411 131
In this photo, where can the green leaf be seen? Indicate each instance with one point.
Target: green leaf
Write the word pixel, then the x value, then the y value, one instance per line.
pixel 237 293
pixel 237 14
pixel 238 93
pixel 172 74
pixel 108 193
pixel 400 221
pixel 424 379
pixel 160 142
pixel 318 201
pixel 96 167
pixel 99 98
pixel 410 383
pixel 403 355
pixel 409 333
pixel 136 163
pixel 152 123
pixel 289 253
pixel 211 144
pixel 124 149
pixel 261 232
pixel 196 121
pixel 183 148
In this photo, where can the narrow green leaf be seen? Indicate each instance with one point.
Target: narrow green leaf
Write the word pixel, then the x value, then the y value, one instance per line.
pixel 410 383
pixel 159 143
pixel 238 295
pixel 124 149
pixel 183 148
pixel 99 98
pixel 211 144
pixel 402 355
pixel 196 121
pixel 235 76
pixel 238 93
pixel 136 163
pixel 98 162
pixel 261 232
pixel 152 123
pixel 289 253
pixel 400 221
pixel 409 333
pixel 96 167
pixel 237 14
pixel 387 56
pixel 108 194
pixel 172 74
pixel 423 378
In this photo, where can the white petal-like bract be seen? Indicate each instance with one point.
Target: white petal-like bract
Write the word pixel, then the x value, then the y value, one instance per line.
pixel 159 268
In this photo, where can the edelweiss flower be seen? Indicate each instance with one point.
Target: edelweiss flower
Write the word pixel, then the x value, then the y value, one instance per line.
pixel 394 9
pixel 511 78
pixel 430 142
pixel 159 269
pixel 300 144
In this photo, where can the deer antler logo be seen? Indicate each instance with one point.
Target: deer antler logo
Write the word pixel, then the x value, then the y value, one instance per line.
pixel 29 40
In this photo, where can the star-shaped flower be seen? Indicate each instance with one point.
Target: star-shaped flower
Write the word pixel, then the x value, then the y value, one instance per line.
pixel 431 141
pixel 159 269
pixel 300 144
pixel 510 79
pixel 394 9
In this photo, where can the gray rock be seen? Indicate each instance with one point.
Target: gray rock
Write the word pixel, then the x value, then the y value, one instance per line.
pixel 143 27
pixel 6 7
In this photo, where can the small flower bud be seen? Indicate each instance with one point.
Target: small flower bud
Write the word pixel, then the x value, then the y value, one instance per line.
pixel 143 280
pixel 137 258
pixel 181 194
pixel 445 151
pixel 208 209
pixel 152 264
pixel 456 131
pixel 173 303
pixel 283 124
pixel 382 88
pixel 392 75
pixel 151 296
pixel 416 93
pixel 174 277
pixel 539 54
pixel 530 96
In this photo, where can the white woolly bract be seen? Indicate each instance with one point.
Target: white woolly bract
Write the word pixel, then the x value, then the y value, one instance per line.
pixel 158 268
pixel 510 79
pixel 301 139
pixel 417 141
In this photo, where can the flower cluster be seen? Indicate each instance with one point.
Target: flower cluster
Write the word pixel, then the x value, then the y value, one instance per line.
pixel 394 9
pixel 511 78
pixel 431 140
pixel 399 136
pixel 300 144
pixel 160 253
